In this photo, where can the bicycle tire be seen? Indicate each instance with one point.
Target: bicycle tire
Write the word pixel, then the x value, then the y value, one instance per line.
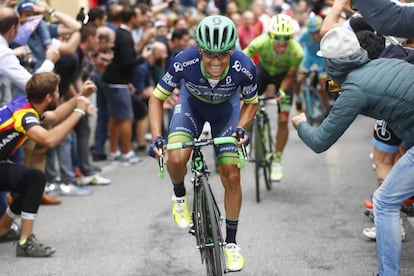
pixel 258 156
pixel 210 231
pixel 314 112
pixel 250 147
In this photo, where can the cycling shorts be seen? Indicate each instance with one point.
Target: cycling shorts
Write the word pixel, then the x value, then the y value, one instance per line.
pixel 385 139
pixel 189 117
pixel 264 79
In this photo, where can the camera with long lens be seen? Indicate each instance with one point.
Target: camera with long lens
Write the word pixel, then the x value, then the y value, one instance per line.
pixel 27 61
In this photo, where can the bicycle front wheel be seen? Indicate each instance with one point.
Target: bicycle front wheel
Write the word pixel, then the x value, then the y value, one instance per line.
pixel 314 112
pixel 209 230
pixel 258 155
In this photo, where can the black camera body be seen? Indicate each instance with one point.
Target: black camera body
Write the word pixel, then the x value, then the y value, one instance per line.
pixel 27 61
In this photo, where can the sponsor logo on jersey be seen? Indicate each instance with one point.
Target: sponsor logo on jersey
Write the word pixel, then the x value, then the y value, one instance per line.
pixel 31 120
pixel 178 66
pixel 168 80
pixel 8 139
pixel 239 68
pixel 249 89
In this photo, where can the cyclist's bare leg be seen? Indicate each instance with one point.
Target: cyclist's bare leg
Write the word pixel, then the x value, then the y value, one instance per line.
pixel 324 94
pixel 177 164
pixel 230 177
pixel 282 134
pixel 300 79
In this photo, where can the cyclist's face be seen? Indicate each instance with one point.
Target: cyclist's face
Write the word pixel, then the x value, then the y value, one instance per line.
pixel 316 36
pixel 280 47
pixel 215 62
pixel 280 44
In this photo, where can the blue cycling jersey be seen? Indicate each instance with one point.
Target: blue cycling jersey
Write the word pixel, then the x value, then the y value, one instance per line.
pixel 311 47
pixel 187 66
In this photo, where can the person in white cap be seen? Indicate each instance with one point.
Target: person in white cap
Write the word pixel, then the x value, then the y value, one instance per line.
pixel 381 88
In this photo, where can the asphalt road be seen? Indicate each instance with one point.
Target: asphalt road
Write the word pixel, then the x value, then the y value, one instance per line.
pixel 310 224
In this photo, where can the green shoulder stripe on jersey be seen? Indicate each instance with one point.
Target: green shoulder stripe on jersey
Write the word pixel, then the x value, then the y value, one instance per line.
pixel 161 93
pixel 252 100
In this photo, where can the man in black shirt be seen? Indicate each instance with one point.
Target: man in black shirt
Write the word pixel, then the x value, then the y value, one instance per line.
pixel 117 77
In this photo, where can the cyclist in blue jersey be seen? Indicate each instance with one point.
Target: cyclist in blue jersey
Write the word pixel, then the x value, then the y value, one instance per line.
pixel 215 75
pixel 309 40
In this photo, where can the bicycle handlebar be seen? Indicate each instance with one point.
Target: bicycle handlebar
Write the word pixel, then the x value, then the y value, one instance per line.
pixel 201 143
pixel 265 98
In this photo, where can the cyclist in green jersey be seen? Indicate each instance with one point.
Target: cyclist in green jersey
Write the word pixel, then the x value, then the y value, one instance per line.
pixel 279 59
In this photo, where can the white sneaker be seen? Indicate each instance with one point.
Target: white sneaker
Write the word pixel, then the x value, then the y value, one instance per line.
pixel 114 158
pixel 73 190
pixel 52 187
pixel 276 173
pixel 131 159
pixel 95 179
pixel 371 233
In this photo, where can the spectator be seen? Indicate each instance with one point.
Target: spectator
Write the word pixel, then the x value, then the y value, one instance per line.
pixel 117 77
pixel 141 34
pixel 144 82
pixel 100 59
pixel 114 17
pixel 385 16
pixel 249 29
pixel 97 16
pixel 106 38
pixel 11 71
pixel 379 89
pixel 87 46
pixel 22 115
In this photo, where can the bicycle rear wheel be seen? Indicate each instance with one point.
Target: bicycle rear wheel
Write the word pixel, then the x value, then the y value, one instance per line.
pixel 208 230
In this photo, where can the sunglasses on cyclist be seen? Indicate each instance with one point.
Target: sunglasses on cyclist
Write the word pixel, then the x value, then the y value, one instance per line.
pixel 282 37
pixel 219 55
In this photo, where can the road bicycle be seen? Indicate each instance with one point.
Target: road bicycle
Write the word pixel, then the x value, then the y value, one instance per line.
pixel 262 145
pixel 206 216
pixel 312 97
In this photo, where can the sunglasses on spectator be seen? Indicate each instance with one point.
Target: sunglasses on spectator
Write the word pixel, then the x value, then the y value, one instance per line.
pixel 219 55
pixel 282 37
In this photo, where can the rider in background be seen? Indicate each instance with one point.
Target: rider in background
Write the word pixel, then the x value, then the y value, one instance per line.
pixel 279 59
pixel 215 75
pixel 309 39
